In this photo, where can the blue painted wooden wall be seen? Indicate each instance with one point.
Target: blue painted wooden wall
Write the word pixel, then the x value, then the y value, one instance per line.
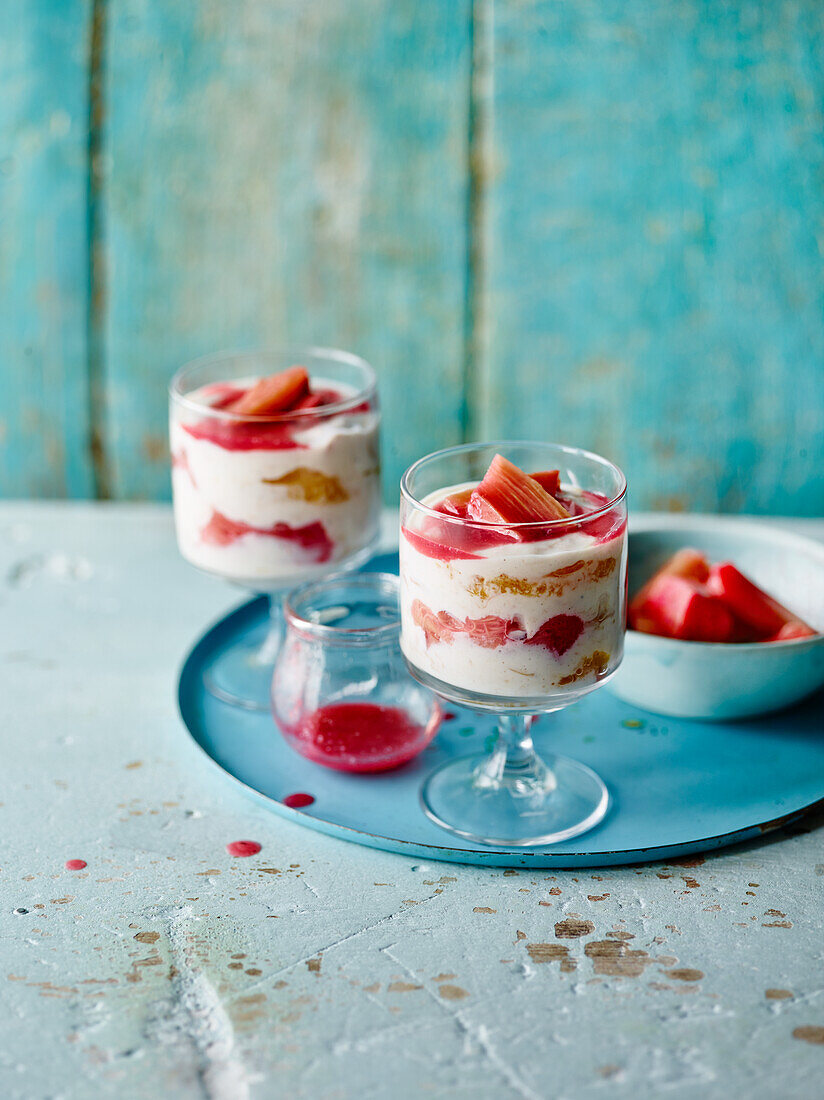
pixel 601 222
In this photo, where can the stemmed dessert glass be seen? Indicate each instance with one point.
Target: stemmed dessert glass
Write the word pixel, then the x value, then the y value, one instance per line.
pixel 515 619
pixel 268 501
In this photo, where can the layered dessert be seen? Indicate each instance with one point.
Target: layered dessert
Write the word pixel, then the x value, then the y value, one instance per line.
pixel 274 478
pixel 501 609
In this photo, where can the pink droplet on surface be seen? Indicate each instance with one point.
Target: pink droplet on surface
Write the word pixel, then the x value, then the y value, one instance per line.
pixel 75 864
pixel 449 716
pixel 298 800
pixel 243 848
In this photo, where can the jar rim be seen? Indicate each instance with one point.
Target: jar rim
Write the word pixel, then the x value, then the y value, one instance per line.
pixel 381 583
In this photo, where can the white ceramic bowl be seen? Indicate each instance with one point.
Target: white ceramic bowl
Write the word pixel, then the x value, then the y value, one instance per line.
pixel 714 681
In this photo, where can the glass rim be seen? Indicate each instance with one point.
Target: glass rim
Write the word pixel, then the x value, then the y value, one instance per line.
pixel 340 635
pixel 180 397
pixel 527 525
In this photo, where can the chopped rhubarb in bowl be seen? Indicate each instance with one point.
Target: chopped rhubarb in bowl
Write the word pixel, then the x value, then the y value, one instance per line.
pixel 724 619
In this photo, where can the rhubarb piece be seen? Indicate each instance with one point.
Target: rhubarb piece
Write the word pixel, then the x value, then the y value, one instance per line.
pixel 317 399
pixel 440 627
pixel 581 505
pixel 447 538
pixel 275 394
pixel 687 563
pixel 793 629
pixel 558 634
pixel 507 495
pixel 750 604
pixel 680 608
pixel 246 435
pixel 491 631
pixel 223 394
pixel 455 504
pixel 549 480
pixel 435 545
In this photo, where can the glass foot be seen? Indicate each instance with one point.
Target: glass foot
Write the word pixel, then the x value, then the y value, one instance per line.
pixel 242 674
pixel 552 799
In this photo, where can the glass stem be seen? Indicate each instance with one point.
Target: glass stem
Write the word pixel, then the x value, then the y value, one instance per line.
pixel 514 763
pixel 270 646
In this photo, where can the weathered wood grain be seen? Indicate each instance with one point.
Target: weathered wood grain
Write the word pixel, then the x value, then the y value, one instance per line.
pixel 284 173
pixel 655 261
pixel 600 222
pixel 44 408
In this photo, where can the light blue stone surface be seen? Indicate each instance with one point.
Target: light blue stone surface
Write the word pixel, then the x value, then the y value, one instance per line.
pixel 319 969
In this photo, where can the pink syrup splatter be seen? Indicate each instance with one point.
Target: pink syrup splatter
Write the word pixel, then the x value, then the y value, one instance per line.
pixel 75 864
pixel 243 848
pixel 298 800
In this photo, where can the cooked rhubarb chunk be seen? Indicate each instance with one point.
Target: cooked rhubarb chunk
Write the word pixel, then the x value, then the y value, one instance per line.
pixel 792 630
pixel 440 627
pixel 317 399
pixel 747 601
pixel 507 495
pixel 455 504
pixel 549 480
pixel 687 563
pixel 491 631
pixel 275 394
pixel 680 608
pixel 558 634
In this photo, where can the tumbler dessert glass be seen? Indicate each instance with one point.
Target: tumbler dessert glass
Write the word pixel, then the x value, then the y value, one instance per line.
pixel 275 480
pixel 515 618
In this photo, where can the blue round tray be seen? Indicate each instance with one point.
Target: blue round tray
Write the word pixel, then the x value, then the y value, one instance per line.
pixel 676 786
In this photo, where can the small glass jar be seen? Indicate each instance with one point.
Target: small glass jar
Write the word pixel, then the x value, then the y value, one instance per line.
pixel 341 693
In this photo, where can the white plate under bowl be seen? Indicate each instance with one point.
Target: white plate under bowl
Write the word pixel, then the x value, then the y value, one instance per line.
pixel 726 681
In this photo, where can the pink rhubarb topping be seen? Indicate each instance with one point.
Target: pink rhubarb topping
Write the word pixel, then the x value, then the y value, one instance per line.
pixel 507 496
pixel 276 396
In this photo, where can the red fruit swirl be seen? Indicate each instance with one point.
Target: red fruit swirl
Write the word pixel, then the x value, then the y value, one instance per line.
pixel 312 537
pixel 558 634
